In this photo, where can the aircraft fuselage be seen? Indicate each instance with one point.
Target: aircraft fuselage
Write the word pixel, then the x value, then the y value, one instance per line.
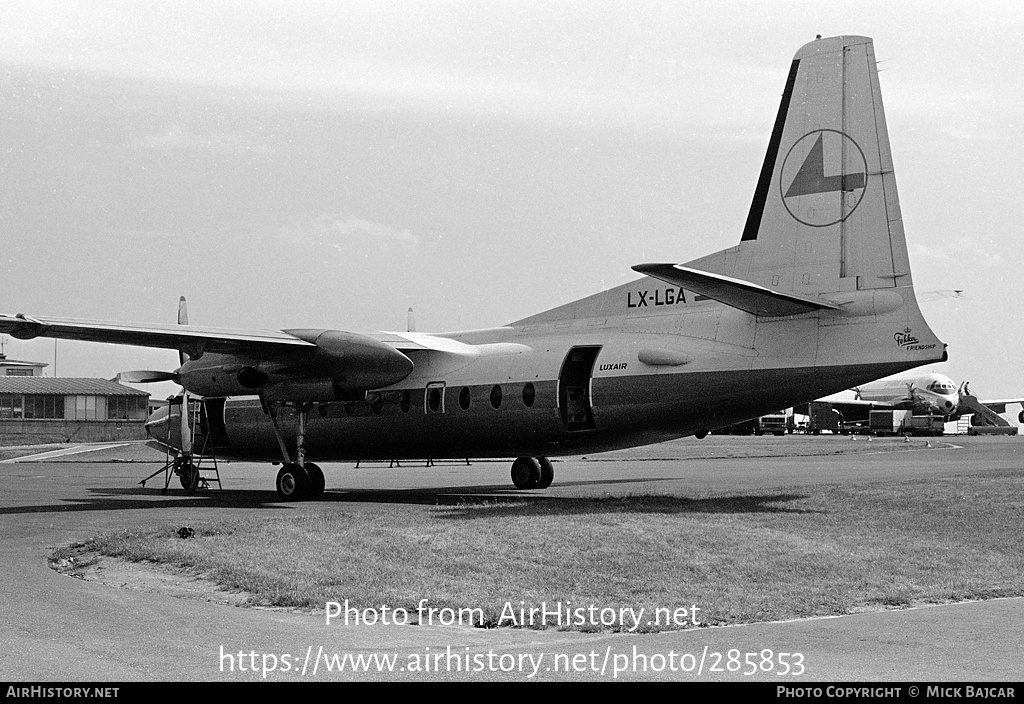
pixel 552 390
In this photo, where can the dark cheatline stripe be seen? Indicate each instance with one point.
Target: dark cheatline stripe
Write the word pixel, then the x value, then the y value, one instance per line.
pixel 764 182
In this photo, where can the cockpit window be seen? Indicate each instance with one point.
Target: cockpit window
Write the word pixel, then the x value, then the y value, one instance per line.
pixel 941 387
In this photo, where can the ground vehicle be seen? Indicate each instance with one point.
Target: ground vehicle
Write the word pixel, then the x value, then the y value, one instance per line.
pixel 904 422
pixel 774 423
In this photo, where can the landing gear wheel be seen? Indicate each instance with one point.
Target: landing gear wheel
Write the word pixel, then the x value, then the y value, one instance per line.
pixel 292 483
pixel 526 473
pixel 547 473
pixel 188 476
pixel 317 483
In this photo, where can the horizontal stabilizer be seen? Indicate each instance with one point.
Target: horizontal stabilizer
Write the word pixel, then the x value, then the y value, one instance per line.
pixel 743 295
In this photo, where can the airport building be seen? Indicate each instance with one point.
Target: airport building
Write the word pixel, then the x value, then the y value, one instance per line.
pixel 15 367
pixel 37 409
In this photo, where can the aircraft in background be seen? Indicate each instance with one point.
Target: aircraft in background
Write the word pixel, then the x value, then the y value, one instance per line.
pixel 928 394
pixel 817 297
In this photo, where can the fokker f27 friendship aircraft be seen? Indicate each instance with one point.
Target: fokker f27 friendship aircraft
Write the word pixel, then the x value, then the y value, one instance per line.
pixel 816 298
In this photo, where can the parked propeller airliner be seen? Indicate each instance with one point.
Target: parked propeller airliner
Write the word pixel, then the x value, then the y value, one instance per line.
pixel 927 394
pixel 817 297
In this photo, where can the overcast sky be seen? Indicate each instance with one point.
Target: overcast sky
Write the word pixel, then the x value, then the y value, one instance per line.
pixel 308 164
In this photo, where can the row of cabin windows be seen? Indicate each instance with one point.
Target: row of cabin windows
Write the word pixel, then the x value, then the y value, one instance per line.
pixel 465 397
pixel 30 407
pixel 434 399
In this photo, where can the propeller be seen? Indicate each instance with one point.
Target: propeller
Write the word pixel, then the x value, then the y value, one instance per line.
pixel 145 376
pixel 186 430
pixel 148 376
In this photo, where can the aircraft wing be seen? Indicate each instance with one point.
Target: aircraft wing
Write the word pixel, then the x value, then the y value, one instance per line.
pixel 851 405
pixel 999 405
pixel 191 339
pixel 853 411
pixel 737 293
pixel 195 340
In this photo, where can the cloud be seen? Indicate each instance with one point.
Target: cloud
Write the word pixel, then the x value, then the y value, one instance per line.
pixel 343 233
pixel 177 136
pixel 960 255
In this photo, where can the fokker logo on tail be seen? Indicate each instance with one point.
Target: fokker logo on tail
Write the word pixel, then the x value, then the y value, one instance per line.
pixel 837 194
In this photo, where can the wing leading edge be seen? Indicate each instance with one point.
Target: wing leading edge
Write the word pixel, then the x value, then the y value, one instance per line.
pixel 195 340
pixel 191 339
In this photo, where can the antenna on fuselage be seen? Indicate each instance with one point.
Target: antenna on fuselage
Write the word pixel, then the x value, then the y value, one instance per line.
pixel 410 322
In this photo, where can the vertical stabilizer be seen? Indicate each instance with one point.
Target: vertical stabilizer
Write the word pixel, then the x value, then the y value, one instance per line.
pixel 825 216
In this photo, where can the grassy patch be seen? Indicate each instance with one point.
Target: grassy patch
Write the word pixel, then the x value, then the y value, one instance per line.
pixel 820 550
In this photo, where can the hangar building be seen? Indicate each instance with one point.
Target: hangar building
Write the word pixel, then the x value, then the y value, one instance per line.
pixel 37 409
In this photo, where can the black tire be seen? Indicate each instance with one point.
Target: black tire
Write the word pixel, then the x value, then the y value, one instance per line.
pixel 292 483
pixel 547 473
pixel 526 473
pixel 317 483
pixel 188 477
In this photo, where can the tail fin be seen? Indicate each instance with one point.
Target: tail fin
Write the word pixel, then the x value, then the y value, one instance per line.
pixel 822 261
pixel 825 216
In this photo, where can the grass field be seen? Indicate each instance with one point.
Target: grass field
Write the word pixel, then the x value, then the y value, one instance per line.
pixel 810 551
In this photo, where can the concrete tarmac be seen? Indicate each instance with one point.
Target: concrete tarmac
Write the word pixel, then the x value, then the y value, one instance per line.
pixel 56 628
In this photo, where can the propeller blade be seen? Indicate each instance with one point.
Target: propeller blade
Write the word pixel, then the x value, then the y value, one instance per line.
pixel 182 320
pixel 186 427
pixel 145 376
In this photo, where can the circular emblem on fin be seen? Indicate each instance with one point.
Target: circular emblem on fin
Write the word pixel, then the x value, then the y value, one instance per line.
pixel 823 178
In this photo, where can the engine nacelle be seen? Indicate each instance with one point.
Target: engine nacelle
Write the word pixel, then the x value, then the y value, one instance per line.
pixel 342 366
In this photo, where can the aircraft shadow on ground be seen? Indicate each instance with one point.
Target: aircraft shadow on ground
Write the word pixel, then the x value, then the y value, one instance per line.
pixel 463 503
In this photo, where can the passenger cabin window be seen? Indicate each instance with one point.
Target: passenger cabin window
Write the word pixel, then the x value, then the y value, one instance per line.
pixel 529 395
pixel 464 398
pixel 496 397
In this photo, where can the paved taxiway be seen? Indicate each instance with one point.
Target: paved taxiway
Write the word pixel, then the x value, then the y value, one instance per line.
pixel 58 628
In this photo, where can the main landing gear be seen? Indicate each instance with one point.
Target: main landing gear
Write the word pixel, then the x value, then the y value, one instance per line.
pixel 532 473
pixel 297 480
